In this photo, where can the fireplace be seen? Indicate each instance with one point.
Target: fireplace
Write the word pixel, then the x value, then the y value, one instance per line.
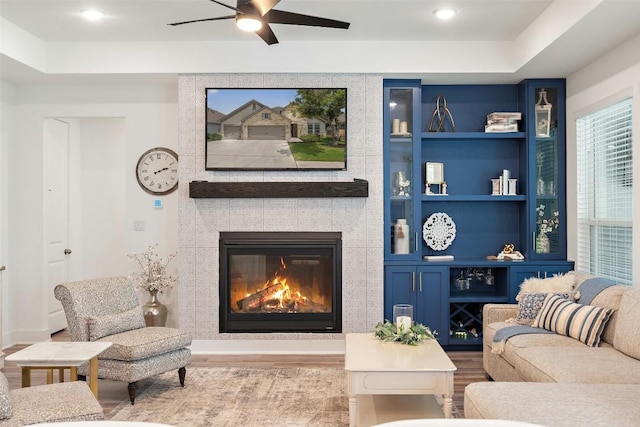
pixel 280 282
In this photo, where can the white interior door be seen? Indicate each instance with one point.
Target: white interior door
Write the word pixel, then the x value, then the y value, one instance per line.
pixel 56 207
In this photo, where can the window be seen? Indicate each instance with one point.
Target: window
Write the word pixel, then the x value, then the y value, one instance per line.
pixel 313 128
pixel 605 192
pixel 266 116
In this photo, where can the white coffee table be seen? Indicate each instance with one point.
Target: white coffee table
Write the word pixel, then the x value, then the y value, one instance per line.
pixel 406 376
pixel 60 355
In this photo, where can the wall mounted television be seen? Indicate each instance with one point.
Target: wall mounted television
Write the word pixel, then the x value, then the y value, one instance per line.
pixel 276 129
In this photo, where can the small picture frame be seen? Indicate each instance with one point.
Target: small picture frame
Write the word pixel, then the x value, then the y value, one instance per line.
pixel 434 173
pixel 434 176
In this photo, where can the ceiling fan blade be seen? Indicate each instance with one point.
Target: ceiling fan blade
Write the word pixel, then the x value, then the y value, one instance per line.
pixel 282 17
pixel 266 34
pixel 206 19
pixel 264 6
pixel 226 5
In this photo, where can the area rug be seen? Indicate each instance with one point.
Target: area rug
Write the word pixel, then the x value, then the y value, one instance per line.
pixel 242 397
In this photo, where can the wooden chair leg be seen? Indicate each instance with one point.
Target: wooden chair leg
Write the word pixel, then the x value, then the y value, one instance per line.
pixel 133 387
pixel 182 372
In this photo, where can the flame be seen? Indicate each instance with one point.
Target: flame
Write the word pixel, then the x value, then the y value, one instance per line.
pixel 280 293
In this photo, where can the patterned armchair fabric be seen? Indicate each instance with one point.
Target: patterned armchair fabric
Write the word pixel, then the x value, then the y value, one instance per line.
pixel 72 401
pixel 107 309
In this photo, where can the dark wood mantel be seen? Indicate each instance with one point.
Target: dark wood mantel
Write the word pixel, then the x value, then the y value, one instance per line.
pixel 261 190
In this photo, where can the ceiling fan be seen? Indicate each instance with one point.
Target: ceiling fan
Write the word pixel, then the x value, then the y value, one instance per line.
pixel 256 15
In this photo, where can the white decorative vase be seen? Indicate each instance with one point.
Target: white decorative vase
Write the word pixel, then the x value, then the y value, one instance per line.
pixel 543 245
pixel 401 237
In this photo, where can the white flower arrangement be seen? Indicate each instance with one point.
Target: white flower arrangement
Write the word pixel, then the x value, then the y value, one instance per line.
pixel 153 275
pixel 546 225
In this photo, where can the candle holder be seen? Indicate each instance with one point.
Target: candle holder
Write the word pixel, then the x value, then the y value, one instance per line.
pixel 403 317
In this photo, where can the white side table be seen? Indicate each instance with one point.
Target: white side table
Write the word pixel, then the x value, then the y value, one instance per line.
pixel 60 355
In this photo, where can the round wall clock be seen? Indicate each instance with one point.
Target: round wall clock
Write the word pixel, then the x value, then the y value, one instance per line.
pixel 157 171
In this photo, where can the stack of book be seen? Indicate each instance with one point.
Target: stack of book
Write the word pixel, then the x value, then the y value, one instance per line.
pixel 502 122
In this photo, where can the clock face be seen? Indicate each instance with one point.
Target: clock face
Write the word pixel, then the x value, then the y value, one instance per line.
pixel 157 171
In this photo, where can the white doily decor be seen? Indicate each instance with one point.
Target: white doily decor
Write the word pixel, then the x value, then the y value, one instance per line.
pixel 439 231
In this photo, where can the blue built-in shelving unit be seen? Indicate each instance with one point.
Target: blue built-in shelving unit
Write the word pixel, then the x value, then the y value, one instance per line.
pixel 484 222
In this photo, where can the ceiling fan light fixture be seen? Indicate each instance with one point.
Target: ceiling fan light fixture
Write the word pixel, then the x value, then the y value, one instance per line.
pixel 92 14
pixel 445 14
pixel 248 22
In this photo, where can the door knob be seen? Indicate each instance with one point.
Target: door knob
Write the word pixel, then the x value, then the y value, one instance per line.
pixel 67 251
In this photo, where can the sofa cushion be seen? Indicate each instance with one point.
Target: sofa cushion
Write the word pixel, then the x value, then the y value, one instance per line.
pixel 557 405
pixel 529 305
pixel 582 322
pixel 111 324
pixel 517 342
pixel 610 298
pixel 5 400
pixel 627 334
pixel 145 342
pixel 577 364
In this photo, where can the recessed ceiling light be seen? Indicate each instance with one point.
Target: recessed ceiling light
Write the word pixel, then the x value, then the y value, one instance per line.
pixel 444 14
pixel 92 14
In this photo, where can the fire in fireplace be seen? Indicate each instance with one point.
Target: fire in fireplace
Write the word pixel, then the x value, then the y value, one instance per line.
pixel 280 282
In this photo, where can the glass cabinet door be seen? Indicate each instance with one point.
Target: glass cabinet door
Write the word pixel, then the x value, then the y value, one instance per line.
pixel 549 239
pixel 400 186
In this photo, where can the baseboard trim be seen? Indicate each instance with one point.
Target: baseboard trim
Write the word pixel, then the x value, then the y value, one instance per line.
pixel 267 347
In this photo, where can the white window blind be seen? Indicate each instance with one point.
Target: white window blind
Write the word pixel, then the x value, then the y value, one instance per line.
pixel 605 192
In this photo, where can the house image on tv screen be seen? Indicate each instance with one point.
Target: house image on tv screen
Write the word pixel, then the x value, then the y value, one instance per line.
pixel 308 132
pixel 254 120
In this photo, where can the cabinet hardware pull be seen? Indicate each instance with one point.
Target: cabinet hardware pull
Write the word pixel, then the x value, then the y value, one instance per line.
pixel 533 241
pixel 413 281
pixel 3 267
pixel 420 282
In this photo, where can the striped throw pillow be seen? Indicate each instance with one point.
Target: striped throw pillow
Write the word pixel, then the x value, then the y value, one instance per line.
pixel 582 322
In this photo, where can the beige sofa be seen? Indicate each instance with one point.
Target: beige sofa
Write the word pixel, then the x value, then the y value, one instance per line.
pixel 600 385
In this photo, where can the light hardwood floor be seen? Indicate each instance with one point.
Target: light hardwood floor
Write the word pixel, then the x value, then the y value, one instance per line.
pixel 112 393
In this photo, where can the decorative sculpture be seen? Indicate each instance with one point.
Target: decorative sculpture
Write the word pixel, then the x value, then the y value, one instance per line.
pixel 441 112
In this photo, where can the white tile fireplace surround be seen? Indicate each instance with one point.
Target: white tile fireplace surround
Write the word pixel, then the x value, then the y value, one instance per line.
pixel 360 220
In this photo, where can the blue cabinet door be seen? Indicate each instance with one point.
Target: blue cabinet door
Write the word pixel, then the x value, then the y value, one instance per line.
pixel 519 274
pixel 433 300
pixel 545 123
pixel 421 287
pixel 400 288
pixel 401 127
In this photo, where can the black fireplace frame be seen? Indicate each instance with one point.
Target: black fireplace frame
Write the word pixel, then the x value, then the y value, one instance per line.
pixel 280 322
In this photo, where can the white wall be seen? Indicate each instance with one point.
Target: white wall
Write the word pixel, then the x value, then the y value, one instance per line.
pixel 600 83
pixel 148 118
pixel 102 146
pixel 6 125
